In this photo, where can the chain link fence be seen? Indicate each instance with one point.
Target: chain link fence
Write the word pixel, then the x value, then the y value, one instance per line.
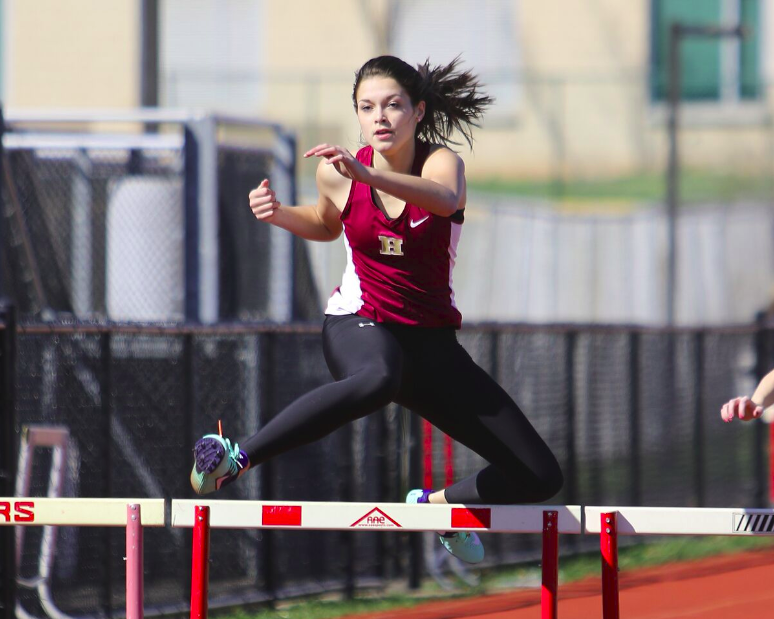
pixel 134 399
pixel 144 216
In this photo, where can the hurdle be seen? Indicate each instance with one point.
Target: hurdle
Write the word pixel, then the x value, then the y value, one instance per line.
pixel 548 520
pixel 610 522
pixel 606 521
pixel 134 514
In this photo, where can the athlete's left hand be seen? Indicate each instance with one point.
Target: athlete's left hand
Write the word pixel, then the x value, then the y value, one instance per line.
pixel 340 158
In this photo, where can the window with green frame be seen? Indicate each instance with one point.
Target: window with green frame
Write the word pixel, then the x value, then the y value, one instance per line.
pixel 713 69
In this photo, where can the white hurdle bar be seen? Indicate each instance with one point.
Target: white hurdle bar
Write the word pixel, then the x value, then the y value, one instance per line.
pixel 133 514
pixel 321 515
pixel 549 520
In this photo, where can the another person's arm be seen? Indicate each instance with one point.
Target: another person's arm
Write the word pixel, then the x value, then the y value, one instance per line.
pixel 748 408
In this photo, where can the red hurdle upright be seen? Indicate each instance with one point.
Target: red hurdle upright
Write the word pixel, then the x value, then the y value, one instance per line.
pixel 134 558
pixel 200 571
pixel 548 601
pixel 608 540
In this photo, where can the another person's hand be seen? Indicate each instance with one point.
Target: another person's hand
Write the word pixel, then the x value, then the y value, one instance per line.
pixel 345 164
pixel 743 408
pixel 263 201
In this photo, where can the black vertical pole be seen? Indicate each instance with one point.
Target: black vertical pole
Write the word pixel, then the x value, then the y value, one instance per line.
pixel 761 471
pixel 189 433
pixel 698 421
pixel 191 217
pixel 3 241
pixel 415 478
pixel 149 53
pixel 107 388
pixel 673 177
pixel 348 471
pixel 571 474
pixel 634 418
pixel 268 378
pixel 494 371
pixel 7 457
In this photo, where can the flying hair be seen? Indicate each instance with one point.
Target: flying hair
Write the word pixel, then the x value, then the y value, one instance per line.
pixel 454 101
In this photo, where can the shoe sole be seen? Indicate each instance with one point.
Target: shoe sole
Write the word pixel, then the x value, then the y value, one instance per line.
pixel 209 454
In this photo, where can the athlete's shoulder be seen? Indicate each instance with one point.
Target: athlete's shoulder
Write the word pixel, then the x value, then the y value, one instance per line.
pixel 442 156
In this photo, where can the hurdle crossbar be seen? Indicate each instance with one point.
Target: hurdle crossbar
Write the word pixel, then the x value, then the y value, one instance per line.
pixel 313 515
pixel 321 515
pixel 130 513
pixel 683 520
pixel 37 511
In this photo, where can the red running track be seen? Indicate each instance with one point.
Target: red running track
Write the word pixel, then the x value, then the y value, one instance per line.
pixel 738 586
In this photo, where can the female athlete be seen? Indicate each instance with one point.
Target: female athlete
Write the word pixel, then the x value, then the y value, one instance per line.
pixel 389 333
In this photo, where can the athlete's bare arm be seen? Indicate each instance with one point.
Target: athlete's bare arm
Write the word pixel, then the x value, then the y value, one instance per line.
pixel 440 190
pixel 319 222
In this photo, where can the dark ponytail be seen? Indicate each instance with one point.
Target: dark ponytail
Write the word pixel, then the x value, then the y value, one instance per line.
pixel 453 101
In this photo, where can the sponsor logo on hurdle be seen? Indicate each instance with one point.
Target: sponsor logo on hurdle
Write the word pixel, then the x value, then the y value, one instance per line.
pixel 753 523
pixel 375 519
pixel 17 511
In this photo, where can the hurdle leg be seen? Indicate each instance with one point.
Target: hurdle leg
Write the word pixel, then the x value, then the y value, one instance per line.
pixel 200 572
pixel 608 540
pixel 548 601
pixel 134 562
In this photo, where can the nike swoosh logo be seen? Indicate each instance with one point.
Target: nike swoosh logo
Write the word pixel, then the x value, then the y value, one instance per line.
pixel 414 224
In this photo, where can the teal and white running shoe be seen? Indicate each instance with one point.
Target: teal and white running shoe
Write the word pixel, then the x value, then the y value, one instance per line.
pixel 216 464
pixel 465 545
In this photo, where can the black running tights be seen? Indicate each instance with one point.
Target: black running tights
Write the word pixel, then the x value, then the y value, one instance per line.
pixel 430 373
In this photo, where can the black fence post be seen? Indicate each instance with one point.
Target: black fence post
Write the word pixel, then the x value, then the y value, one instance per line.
pixel 107 458
pixel 415 480
pixel 191 218
pixel 190 417
pixel 698 420
pixel 571 473
pixel 7 456
pixel 3 241
pixel 267 377
pixel 634 418
pixel 764 478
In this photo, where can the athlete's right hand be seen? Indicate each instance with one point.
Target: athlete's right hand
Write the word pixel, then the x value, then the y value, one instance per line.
pixel 743 408
pixel 263 201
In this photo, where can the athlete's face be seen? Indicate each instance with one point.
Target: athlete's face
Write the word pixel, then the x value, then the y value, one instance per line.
pixel 387 118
